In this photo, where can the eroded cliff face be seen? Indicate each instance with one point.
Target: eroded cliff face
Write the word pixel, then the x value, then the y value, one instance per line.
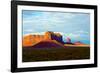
pixel 30 40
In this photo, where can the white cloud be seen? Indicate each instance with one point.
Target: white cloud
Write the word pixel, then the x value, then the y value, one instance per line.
pixel 37 33
pixel 82 32
pixel 28 30
pixel 74 35
pixel 82 35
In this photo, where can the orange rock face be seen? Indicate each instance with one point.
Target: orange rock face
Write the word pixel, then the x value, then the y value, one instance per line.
pixel 30 40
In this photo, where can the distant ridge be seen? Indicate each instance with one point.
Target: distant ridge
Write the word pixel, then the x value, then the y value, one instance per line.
pixel 79 43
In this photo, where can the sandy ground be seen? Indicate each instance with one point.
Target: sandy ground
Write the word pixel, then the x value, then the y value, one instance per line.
pixel 69 45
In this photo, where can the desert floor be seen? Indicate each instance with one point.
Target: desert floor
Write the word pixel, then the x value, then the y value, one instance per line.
pixel 54 54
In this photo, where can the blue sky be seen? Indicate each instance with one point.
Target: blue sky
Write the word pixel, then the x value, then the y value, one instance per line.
pixel 73 25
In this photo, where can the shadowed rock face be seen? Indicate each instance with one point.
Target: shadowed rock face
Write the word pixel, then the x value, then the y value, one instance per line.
pixel 68 41
pixel 47 44
pixel 30 40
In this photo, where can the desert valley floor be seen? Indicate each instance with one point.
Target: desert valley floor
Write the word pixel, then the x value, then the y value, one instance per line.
pixel 54 54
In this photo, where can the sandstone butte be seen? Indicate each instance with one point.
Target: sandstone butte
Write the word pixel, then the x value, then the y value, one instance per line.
pixel 30 40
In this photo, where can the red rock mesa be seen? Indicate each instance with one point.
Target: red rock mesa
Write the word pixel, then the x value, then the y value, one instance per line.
pixel 30 40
